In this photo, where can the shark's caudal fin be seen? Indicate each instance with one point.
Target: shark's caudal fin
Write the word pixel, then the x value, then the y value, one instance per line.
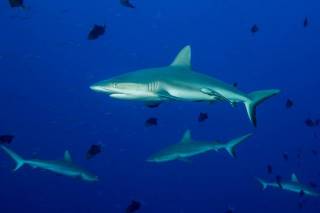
pixel 19 160
pixel 231 145
pixel 255 98
pixel 263 183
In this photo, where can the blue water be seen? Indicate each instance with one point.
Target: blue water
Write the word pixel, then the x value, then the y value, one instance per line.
pixel 47 65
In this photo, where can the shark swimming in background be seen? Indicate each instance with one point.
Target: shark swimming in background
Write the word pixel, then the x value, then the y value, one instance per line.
pixel 188 148
pixel 293 186
pixel 179 82
pixel 63 167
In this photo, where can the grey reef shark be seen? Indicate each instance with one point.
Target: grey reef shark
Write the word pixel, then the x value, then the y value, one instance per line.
pixel 188 147
pixel 294 185
pixel 63 167
pixel 179 82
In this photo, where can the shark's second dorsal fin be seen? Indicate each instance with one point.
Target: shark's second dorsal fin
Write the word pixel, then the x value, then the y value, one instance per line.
pixel 186 138
pixel 67 156
pixel 183 58
pixel 294 178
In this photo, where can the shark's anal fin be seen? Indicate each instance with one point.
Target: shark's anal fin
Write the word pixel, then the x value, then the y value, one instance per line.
pixel 294 178
pixel 67 156
pixel 183 59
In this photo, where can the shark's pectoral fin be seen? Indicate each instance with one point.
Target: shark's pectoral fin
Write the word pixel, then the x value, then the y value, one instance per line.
pixel 166 95
pixel 152 104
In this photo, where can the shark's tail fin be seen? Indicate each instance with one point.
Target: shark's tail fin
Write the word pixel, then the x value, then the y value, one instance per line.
pixel 231 145
pixel 19 160
pixel 263 183
pixel 255 98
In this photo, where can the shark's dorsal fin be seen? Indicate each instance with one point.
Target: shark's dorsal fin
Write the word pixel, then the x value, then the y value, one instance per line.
pixel 294 178
pixel 183 58
pixel 186 138
pixel 67 156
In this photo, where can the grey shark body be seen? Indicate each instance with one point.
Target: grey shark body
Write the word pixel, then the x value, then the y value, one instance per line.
pixel 293 186
pixel 178 82
pixel 188 148
pixel 63 167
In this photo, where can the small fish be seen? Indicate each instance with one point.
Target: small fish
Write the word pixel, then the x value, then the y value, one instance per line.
pixel 151 122
pixel 289 104
pixel 203 116
pixel 269 169
pixel 235 84
pixel 93 151
pixel 306 22
pixel 279 180
pixel 16 3
pixel 96 32
pixel 254 29
pixel 310 123
pixel 127 3
pixel 6 139
pixel 285 156
pixel 133 207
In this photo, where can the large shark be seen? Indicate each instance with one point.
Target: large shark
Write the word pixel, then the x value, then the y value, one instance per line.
pixel 188 148
pixel 293 186
pixel 62 167
pixel 179 82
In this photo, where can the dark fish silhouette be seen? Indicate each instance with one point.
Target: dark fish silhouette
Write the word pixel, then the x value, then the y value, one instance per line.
pixel 6 139
pixel 254 29
pixel 151 122
pixel 306 22
pixel 310 123
pixel 93 151
pixel 96 32
pixel 127 3
pixel 269 169
pixel 289 104
pixel 235 84
pixel 133 207
pixel 279 181
pixel 203 116
pixel 16 3
pixel 285 156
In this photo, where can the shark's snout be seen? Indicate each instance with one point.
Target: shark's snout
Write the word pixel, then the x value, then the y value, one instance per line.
pixel 97 88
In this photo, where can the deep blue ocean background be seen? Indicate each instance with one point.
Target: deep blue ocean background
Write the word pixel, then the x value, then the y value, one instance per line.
pixel 47 65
